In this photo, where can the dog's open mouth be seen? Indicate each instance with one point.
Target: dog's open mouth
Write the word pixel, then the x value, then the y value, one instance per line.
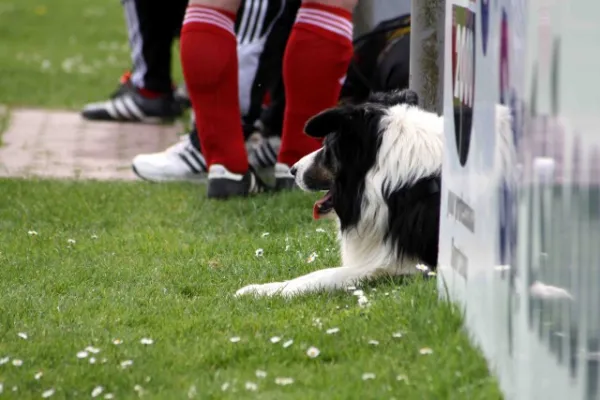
pixel 323 206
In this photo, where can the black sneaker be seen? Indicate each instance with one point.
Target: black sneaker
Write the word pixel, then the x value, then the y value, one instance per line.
pixel 223 184
pixel 182 96
pixel 128 105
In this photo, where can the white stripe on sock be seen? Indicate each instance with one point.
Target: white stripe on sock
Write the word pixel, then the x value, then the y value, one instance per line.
pixel 208 16
pixel 326 20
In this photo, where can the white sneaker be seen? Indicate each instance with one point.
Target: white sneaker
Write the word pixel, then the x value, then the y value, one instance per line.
pixel 180 162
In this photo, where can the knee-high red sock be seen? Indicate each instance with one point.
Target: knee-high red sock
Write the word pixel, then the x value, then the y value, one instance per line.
pixel 316 60
pixel 210 68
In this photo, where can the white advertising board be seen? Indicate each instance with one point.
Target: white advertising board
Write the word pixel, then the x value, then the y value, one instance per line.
pixel 520 217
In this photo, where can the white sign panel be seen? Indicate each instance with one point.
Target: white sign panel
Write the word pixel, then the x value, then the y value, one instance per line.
pixel 520 217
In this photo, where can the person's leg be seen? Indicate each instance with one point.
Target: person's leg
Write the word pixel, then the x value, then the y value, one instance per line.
pixel 210 67
pixel 147 93
pixel 184 160
pixel 317 56
pixel 261 72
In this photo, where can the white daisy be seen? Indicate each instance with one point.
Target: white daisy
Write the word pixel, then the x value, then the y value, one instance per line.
pixel 358 293
pixel 426 351
pixel 4 360
pixel 192 392
pixel 97 391
pixel 422 267
pixel 225 386
pixel 146 341
pixel 275 339
pixel 71 241
pixel 368 376
pixel 22 335
pixel 261 374
pixel 402 378
pixel 32 233
pixel 38 375
pixel 313 352
pixel 265 234
pixel 92 349
pixel 349 288
pixel 313 256
pixel 431 273
pixel 117 341
pixel 259 252
pixel 235 339
pixel 363 301
pixel 251 386
pixel 92 360
pixel 82 354
pixel 320 230
pixel 331 331
pixel 284 381
pixel 126 363
pixel 94 236
pixel 373 342
pixel 287 343
pixel 397 335
pixel 17 363
pixel 109 396
pixel 48 393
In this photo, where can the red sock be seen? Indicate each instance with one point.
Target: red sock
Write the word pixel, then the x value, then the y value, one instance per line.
pixel 210 68
pixel 316 59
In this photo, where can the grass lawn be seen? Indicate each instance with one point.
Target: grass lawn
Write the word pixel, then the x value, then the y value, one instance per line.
pixel 159 262
pixel 84 264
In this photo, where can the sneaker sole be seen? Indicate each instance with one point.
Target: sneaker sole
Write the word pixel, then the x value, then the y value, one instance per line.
pixel 202 180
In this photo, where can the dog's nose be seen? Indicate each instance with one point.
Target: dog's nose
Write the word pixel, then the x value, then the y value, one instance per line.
pixel 293 171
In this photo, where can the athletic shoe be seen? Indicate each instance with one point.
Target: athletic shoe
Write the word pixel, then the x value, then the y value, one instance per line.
pixel 182 96
pixel 223 184
pixel 127 104
pixel 181 162
pixel 284 180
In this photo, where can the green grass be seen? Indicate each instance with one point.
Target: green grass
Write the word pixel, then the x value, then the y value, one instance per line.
pixel 165 264
pixel 62 53
pixel 160 261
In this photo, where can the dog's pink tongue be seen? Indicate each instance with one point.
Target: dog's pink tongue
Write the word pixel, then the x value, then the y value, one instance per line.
pixel 316 210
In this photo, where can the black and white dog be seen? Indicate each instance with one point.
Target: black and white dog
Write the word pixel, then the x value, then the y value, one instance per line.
pixel 381 165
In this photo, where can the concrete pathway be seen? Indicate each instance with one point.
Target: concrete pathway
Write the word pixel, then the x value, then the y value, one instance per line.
pixel 60 144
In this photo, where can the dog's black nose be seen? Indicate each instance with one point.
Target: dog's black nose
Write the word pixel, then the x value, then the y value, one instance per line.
pixel 293 171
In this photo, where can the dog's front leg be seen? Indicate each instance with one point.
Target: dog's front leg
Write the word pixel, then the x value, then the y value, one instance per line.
pixel 325 279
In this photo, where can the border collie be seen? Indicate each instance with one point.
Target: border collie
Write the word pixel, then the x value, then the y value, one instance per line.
pixel 380 166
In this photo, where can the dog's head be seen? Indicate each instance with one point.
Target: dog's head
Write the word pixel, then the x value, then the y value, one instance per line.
pixel 379 137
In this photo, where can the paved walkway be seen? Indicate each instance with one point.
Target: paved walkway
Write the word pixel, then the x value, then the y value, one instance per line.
pixel 60 144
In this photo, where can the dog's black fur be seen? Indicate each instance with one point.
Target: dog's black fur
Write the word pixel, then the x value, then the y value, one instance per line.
pixel 352 140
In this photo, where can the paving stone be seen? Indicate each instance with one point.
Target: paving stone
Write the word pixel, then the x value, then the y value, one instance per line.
pixel 60 144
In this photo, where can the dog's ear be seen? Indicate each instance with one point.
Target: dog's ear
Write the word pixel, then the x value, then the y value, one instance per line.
pixel 327 121
pixel 405 96
pixel 408 96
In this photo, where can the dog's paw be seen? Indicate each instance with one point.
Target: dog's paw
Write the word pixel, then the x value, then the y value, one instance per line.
pixel 267 289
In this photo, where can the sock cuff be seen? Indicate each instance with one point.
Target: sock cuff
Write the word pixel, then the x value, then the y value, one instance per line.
pixel 333 19
pixel 208 16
